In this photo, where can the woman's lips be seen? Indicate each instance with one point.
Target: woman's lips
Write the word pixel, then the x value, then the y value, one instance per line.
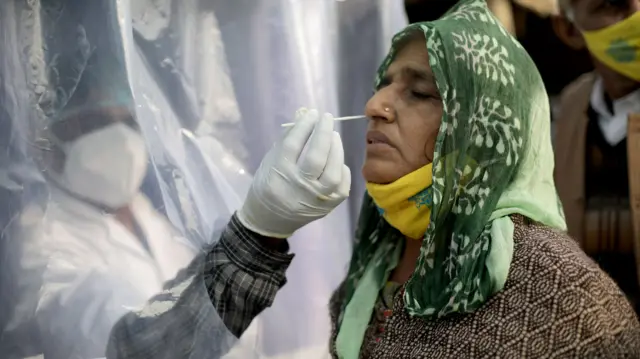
pixel 377 138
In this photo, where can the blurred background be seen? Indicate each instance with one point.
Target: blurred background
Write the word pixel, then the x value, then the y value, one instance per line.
pixel 208 83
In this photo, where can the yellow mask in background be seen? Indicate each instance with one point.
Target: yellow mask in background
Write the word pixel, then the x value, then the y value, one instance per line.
pixel 406 203
pixel 618 46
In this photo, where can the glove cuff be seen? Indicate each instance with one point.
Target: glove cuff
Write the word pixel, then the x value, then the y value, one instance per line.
pixel 247 220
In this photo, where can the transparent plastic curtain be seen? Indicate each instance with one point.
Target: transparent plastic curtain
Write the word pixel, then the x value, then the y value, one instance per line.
pixel 280 55
pixel 165 57
pixel 186 105
pixel 284 54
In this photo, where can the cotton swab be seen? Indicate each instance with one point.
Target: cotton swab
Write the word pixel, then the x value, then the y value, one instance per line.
pixel 347 118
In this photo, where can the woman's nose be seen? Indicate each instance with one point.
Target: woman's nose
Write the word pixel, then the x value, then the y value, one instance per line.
pixel 379 107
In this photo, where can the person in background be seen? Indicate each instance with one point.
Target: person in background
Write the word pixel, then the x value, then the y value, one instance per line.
pixel 97 247
pixel 98 250
pixel 591 151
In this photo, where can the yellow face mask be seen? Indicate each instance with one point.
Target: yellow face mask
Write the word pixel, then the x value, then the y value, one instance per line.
pixel 618 46
pixel 406 203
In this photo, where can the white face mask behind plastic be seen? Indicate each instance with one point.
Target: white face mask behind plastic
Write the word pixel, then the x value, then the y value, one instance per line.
pixel 106 166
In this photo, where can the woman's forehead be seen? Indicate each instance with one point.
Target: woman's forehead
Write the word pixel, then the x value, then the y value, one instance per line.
pixel 416 50
pixel 413 60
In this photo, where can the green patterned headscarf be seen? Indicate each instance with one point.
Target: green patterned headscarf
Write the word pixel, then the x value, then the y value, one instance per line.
pixel 492 158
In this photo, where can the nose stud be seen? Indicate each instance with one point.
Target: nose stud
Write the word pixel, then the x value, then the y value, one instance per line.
pixel 386 109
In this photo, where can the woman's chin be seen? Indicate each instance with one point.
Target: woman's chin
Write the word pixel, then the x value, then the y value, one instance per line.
pixel 380 172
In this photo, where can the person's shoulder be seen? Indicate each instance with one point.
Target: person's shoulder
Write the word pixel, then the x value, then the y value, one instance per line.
pixel 548 242
pixel 553 252
pixel 49 227
pixel 584 83
pixel 47 239
pixel 573 288
pixel 578 91
pixel 35 231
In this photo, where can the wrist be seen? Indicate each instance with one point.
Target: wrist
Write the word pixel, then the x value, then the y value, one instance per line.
pixel 271 232
pixel 272 243
pixel 246 249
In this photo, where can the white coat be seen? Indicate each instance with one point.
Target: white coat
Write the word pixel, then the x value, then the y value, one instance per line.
pixel 71 272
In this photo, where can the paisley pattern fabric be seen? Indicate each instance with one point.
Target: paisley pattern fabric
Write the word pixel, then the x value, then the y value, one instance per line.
pixel 556 303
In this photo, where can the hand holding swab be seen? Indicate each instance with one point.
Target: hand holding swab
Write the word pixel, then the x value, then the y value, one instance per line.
pixel 347 118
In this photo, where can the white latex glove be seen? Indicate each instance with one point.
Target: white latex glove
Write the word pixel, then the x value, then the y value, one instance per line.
pixel 292 188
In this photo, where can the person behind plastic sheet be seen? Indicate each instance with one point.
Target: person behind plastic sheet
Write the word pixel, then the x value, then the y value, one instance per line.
pixel 97 247
pixel 591 131
pixel 98 250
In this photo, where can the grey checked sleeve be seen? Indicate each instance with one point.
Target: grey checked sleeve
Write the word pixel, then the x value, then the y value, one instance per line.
pixel 208 305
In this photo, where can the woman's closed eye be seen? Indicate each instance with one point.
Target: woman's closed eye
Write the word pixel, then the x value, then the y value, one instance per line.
pixel 421 95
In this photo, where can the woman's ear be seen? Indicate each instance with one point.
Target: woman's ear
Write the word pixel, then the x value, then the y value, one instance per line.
pixel 567 32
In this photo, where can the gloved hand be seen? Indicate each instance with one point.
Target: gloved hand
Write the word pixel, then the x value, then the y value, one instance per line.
pixel 293 187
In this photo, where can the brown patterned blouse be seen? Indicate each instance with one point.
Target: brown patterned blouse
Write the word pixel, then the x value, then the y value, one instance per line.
pixel 557 303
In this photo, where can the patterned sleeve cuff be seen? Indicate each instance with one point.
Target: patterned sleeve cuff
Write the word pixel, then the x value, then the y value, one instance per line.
pixel 245 249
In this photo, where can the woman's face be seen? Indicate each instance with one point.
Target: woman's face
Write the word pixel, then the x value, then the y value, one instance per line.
pixel 404 117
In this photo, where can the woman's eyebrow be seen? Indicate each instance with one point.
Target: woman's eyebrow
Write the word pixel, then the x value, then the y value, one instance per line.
pixel 419 74
pixel 409 72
